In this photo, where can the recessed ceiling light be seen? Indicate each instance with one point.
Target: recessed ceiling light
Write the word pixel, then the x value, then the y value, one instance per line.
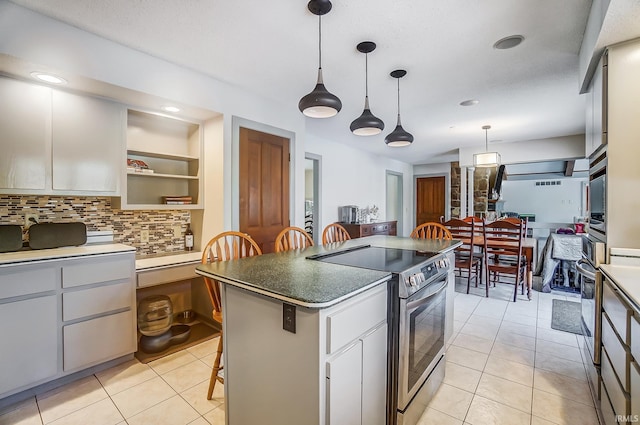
pixel 508 42
pixel 171 109
pixel 48 78
pixel 469 102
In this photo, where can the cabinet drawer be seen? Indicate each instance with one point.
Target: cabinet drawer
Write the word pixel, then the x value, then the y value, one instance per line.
pixel 635 388
pixel 615 350
pixel 98 300
pixel 616 310
pixel 607 411
pixel 98 340
pixel 166 275
pixel 380 229
pixel 635 340
pixel 348 324
pixel 614 390
pixel 85 272
pixel 18 281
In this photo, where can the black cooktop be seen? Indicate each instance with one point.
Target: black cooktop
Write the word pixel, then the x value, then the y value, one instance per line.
pixel 376 258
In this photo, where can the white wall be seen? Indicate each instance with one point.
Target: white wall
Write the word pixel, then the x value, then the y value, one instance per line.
pixel 353 177
pixel 551 204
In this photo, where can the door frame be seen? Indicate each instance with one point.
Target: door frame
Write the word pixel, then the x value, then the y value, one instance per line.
pixel 317 195
pixel 447 193
pixel 232 220
pixel 400 189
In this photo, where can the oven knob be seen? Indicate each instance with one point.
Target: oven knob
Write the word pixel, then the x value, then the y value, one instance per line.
pixel 412 281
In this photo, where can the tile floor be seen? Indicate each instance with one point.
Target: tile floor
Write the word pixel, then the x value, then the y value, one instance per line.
pixel 505 365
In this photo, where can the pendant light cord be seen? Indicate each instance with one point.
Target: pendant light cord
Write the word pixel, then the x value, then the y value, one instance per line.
pixel 486 140
pixel 398 101
pixel 366 75
pixel 320 41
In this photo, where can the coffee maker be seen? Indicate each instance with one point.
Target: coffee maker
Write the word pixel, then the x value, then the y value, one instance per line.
pixel 348 214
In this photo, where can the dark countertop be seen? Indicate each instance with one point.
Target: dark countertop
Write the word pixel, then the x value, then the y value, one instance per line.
pixel 290 277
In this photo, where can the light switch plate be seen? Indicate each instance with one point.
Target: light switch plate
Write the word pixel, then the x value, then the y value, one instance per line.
pixel 144 236
pixel 177 231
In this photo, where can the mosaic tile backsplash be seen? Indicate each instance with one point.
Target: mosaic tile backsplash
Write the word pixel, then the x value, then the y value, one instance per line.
pixel 96 213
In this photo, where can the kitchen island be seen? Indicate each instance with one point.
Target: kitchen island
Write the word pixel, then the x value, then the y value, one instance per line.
pixel 306 341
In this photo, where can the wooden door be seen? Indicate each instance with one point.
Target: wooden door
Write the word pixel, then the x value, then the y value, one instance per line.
pixel 430 199
pixel 264 186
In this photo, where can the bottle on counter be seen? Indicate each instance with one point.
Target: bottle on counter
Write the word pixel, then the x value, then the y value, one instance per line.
pixel 188 238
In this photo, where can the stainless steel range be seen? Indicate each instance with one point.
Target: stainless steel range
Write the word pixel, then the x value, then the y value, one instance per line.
pixel 416 323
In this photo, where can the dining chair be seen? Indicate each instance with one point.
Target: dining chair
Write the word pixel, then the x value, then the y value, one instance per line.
pixel 291 238
pixel 334 233
pixel 224 247
pixel 503 253
pixel 467 256
pixel 431 230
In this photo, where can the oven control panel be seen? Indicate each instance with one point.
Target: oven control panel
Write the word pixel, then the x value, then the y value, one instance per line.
pixel 426 273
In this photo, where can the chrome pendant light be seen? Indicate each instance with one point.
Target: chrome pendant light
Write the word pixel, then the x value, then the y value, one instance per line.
pixel 366 124
pixel 398 137
pixel 486 159
pixel 320 103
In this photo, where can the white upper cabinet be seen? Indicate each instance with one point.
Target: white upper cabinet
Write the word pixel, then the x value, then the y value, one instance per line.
pixel 87 135
pixel 25 127
pixel 58 143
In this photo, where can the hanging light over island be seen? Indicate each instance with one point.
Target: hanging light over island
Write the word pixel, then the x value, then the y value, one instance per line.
pixel 320 103
pixel 366 124
pixel 398 137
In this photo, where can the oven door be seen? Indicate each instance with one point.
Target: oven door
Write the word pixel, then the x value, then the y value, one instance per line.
pixel 421 342
pixel 591 301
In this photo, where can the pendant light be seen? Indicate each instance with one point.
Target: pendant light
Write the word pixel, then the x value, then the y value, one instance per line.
pixel 486 159
pixel 366 124
pixel 320 103
pixel 398 137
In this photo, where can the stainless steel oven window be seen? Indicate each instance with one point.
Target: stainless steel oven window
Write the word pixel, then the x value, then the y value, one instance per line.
pixel 422 323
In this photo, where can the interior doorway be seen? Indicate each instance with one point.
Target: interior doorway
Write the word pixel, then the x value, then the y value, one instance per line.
pixel 395 205
pixel 312 164
pixel 430 199
pixel 263 186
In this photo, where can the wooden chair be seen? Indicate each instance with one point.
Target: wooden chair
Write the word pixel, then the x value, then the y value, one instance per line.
pixel 224 247
pixel 334 233
pixel 503 252
pixel 291 238
pixel 467 257
pixel 431 230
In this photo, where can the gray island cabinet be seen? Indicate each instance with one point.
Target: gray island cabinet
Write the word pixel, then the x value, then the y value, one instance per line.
pixel 333 368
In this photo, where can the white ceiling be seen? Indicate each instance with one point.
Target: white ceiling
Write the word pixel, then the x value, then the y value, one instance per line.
pixel 270 48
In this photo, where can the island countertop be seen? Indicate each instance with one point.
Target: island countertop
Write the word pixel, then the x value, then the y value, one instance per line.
pixel 291 277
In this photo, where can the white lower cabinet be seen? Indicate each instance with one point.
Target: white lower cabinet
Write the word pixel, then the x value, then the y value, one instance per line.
pixel 29 352
pixel 344 384
pixel 56 321
pixel 357 382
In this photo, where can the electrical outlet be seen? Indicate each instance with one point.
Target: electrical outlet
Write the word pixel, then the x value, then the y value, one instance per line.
pixel 289 317
pixel 27 220
pixel 144 236
pixel 177 231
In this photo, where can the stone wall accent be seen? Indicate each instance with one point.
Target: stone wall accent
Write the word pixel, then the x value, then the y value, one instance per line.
pixel 480 191
pixel 96 213
pixel 455 189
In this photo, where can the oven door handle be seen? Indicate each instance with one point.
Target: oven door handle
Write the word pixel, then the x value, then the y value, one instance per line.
pixel 583 271
pixel 412 305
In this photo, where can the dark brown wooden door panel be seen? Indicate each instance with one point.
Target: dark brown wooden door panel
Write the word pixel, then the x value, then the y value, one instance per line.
pixel 430 199
pixel 264 186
